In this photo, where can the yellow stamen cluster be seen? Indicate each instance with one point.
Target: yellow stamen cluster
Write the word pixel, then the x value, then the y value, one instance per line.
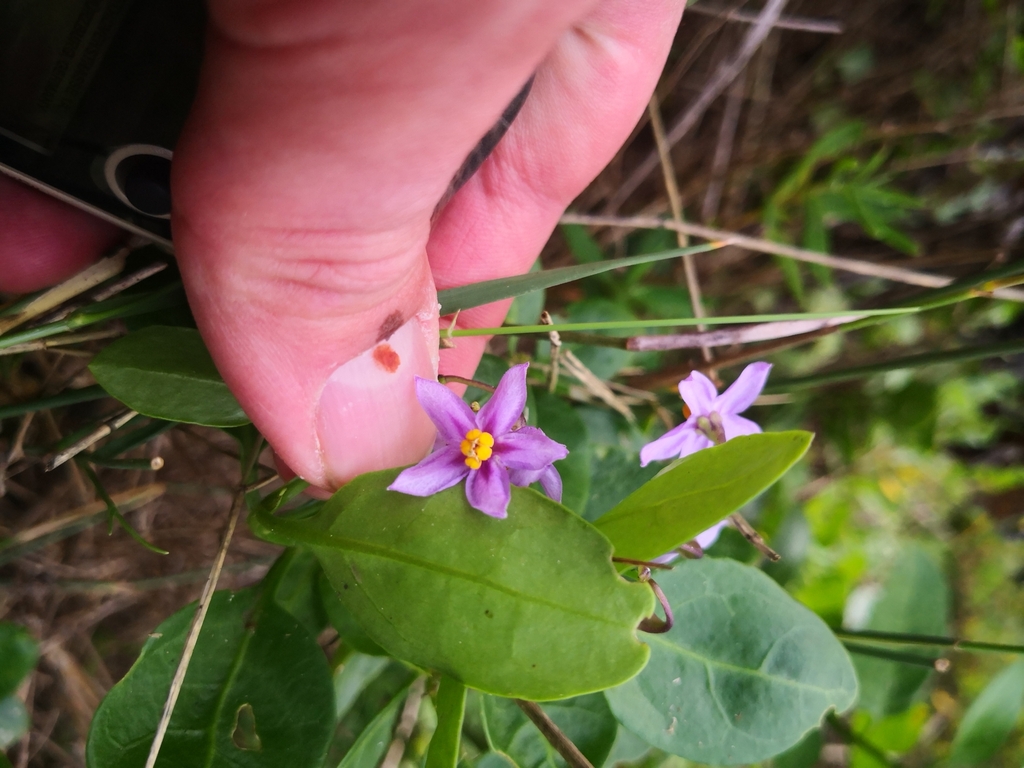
pixel 477 448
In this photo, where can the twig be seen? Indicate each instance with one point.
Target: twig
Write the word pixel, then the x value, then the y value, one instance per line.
pixel 676 204
pixel 575 367
pixel 798 23
pixel 731 336
pixel 200 617
pixel 445 378
pixel 723 150
pixel 856 266
pixel 407 721
pixel 719 81
pixel 754 537
pixel 85 280
pixel 852 737
pixel 16 451
pixel 562 744
pixel 644 563
pixel 111 290
pixel 60 341
pixel 89 440
pixel 556 350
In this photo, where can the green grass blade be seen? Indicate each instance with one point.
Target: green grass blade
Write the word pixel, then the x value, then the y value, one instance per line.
pixel 675 322
pixel 477 294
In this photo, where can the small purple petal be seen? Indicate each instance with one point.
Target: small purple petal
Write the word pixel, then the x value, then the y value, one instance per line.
pixel 744 391
pixel 506 404
pixel 734 426
pixel 681 441
pixel 488 490
pixel 528 448
pixel 449 412
pixel 710 536
pixel 698 392
pixel 548 478
pixel 435 473
pixel 667 558
pixel 551 482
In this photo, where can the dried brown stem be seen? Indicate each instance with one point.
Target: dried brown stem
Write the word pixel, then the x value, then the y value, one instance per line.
pixel 562 744
pixel 754 537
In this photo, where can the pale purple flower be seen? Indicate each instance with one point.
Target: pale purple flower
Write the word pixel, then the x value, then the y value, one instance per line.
pixel 713 418
pixel 486 448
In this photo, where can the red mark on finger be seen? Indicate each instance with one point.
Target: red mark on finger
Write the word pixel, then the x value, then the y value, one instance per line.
pixel 386 358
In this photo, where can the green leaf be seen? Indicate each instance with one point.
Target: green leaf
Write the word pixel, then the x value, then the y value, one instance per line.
pixel 698 491
pixel 560 422
pixel 341 618
pixel 744 673
pixel 477 294
pixel 582 244
pixel 451 708
pixel 915 600
pixel 585 720
pixel 258 693
pixel 13 721
pixel 18 656
pixel 167 373
pixel 493 760
pixel 804 755
pixel 293 583
pixel 990 718
pixel 500 605
pixel 372 744
pixel 352 678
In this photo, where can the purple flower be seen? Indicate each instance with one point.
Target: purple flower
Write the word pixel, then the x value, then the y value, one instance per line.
pixel 713 418
pixel 486 447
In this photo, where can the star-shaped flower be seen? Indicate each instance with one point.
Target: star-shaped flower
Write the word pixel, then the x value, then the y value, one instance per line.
pixel 486 448
pixel 713 418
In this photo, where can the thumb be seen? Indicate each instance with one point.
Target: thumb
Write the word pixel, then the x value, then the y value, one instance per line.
pixel 323 135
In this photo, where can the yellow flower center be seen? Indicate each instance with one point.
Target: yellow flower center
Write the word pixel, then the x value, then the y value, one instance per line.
pixel 477 448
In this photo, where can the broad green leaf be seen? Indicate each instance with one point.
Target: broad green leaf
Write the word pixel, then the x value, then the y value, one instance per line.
pixel 493 760
pixel 743 675
pixel 293 583
pixel 352 677
pixel 13 721
pixel 500 605
pixel 582 244
pixel 560 422
pixel 477 294
pixel 258 693
pixel 167 373
pixel 804 755
pixel 372 744
pixel 451 708
pixel 915 600
pixel 586 720
pixel 990 718
pixel 698 491
pixel 18 655
pixel 341 618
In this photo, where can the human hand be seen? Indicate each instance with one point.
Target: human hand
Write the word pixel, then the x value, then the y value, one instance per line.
pixel 323 135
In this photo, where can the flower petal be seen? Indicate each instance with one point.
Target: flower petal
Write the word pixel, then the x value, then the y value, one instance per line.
pixel 449 412
pixel 488 490
pixel 698 392
pixel 744 391
pixel 734 426
pixel 551 482
pixel 710 536
pixel 528 448
pixel 681 441
pixel 438 471
pixel 548 478
pixel 506 404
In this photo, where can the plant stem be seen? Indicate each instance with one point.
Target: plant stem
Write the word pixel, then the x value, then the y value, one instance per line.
pixel 562 744
pixel 957 644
